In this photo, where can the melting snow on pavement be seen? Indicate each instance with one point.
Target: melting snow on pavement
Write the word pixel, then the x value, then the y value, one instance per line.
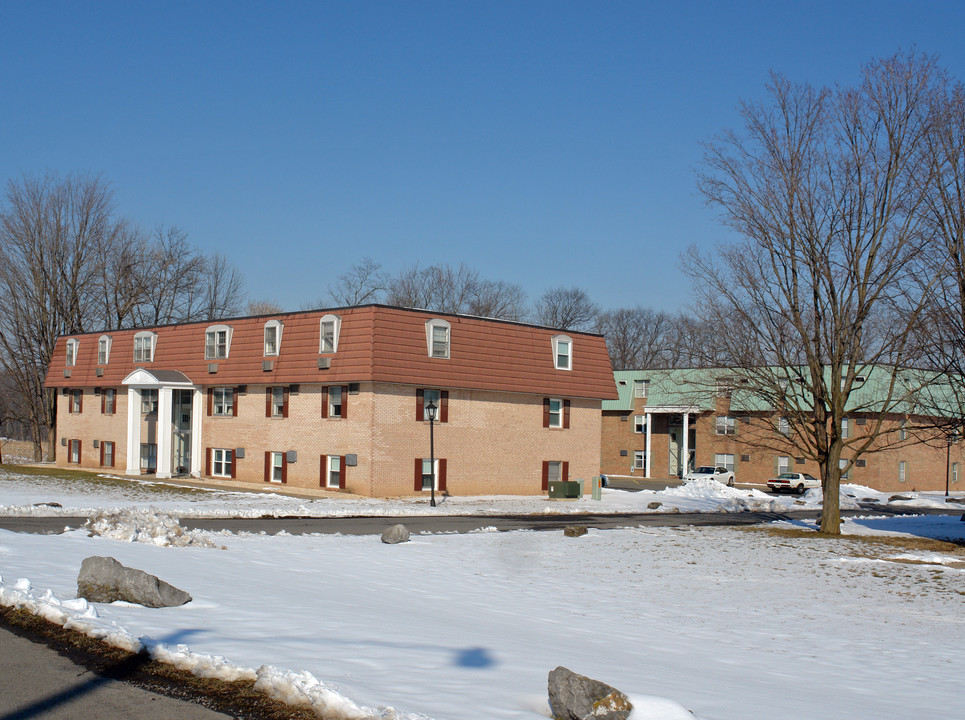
pixel 728 623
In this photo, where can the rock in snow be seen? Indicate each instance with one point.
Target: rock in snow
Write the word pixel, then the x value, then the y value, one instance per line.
pixel 574 530
pixel 103 579
pixel 395 534
pixel 577 697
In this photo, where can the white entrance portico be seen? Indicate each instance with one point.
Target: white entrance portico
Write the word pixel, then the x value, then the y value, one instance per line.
pixel 679 448
pixel 167 407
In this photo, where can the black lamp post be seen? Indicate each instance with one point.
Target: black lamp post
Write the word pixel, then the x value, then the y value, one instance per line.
pixel 948 460
pixel 431 414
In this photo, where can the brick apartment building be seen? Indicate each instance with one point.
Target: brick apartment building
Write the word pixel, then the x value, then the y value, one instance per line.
pixel 337 399
pixel 644 435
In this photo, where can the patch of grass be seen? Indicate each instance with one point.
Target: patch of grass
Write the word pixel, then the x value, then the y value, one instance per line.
pixel 238 699
pixel 883 541
pixel 100 482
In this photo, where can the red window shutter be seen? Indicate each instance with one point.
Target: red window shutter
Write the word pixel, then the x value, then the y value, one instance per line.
pixel 234 465
pixel 102 447
pixel 267 402
pixel 341 472
pixel 420 402
pixel 344 401
pixel 103 410
pixel 268 460
pixel 565 474
pixel 546 476
pixel 321 471
pixel 80 449
pixel 444 406
pixel 546 412
pixel 234 413
pixel 418 475
pixel 80 406
pixel 113 453
pixel 284 468
pixel 284 405
pixel 207 460
pixel 210 402
pixel 566 413
pixel 442 475
pixel 325 401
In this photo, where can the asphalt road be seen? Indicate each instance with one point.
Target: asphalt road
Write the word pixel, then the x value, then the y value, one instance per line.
pixel 38 682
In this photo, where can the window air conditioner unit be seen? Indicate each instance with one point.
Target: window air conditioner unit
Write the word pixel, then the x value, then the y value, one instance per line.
pixel 267 365
pixel 97 444
pixel 212 367
pixel 100 372
pixel 324 363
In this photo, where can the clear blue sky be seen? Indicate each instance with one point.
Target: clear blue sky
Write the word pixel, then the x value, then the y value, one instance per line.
pixel 541 143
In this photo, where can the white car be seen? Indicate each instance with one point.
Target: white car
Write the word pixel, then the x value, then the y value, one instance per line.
pixel 709 472
pixel 793 482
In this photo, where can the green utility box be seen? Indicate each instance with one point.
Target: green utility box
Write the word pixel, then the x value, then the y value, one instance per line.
pixel 564 489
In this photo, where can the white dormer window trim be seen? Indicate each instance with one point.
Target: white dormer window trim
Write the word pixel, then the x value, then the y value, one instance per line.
pixel 562 352
pixel 72 347
pixel 217 342
pixel 329 327
pixel 276 326
pixel 145 344
pixel 104 343
pixel 438 338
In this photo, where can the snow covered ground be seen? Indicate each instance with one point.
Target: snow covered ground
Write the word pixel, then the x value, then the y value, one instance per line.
pixel 731 624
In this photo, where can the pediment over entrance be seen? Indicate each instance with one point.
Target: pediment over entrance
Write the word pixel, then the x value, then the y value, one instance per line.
pixel 142 377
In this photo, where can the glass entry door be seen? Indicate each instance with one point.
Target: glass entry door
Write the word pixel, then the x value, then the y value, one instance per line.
pixel 181 431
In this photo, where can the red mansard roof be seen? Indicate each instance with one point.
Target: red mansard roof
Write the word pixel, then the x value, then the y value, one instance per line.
pixel 376 343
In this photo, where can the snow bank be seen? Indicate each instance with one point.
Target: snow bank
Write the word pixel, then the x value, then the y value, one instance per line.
pixel 145 525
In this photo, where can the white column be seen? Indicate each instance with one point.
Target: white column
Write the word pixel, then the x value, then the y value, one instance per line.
pixel 133 431
pixel 197 412
pixel 646 472
pixel 686 442
pixel 164 430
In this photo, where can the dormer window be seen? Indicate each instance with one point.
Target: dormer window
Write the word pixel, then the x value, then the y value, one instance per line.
pixel 217 342
pixel 104 350
pixel 437 338
pixel 273 330
pixel 329 327
pixel 72 346
pixel 145 343
pixel 562 352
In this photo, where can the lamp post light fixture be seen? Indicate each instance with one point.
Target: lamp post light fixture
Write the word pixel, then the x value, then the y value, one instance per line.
pixel 431 414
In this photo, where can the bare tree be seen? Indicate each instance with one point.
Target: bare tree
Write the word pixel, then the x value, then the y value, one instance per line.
pixel 566 309
pixel 498 299
pixel 175 274
pixel 637 338
pixel 444 288
pixel 824 189
pixel 264 307
pixel 224 289
pixel 363 283
pixel 54 234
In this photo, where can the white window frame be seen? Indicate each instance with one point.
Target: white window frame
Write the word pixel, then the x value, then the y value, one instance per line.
pixel 110 401
pixel 725 460
pixel 104 349
pixel 336 326
pixel 277 326
pixel 845 428
pixel 433 395
pixel 726 425
pixel 335 408
pixel 427 480
pixel 278 401
pixel 639 460
pixel 76 401
pixel 556 416
pixel 277 463
pixel 145 343
pixel 842 464
pixel 221 462
pixel 783 464
pixel 223 401
pixel 554 467
pixel 784 426
pixel 148 453
pixel 639 424
pixel 641 388
pixel 333 469
pixel 213 342
pixel 149 401
pixel 74 451
pixel 902 471
pixel 438 348
pixel 954 472
pixel 903 431
pixel 562 352
pixel 72 347
pixel 108 446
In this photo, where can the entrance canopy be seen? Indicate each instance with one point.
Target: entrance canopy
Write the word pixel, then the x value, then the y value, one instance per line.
pixel 144 378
